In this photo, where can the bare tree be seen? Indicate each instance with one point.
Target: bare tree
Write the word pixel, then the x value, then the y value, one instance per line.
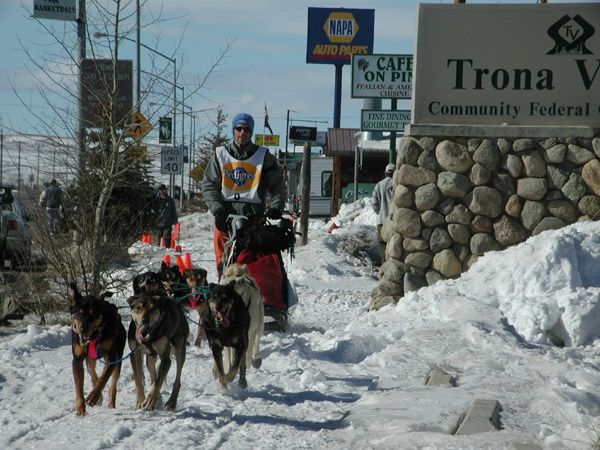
pixel 109 201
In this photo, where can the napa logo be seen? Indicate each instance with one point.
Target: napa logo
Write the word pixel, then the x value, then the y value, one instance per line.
pixel 340 27
pixel 239 176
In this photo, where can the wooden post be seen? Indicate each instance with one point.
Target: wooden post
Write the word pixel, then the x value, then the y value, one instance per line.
pixel 305 206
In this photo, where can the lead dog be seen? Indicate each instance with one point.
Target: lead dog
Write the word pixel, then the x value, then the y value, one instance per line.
pixel 158 328
pixel 96 332
pixel 245 285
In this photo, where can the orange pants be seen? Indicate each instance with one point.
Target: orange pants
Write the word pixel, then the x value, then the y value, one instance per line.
pixel 219 239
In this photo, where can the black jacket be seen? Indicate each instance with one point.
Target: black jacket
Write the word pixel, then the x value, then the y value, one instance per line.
pixel 166 211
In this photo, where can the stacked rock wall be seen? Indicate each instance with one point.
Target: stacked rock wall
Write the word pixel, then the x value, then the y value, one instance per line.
pixel 457 198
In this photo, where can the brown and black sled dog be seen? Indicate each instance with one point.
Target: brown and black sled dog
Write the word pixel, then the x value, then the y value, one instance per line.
pixel 158 328
pixel 96 332
pixel 226 323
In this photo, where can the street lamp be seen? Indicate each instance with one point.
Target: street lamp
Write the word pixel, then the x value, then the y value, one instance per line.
pixel 138 76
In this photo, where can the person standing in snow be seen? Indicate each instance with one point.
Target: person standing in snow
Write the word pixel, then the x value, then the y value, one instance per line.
pixel 51 199
pixel 380 202
pixel 237 180
pixel 166 215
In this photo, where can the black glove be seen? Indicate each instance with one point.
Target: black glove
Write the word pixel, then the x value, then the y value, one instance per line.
pixel 221 220
pixel 274 213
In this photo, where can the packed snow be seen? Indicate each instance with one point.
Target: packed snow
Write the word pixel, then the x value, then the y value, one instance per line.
pixel 520 327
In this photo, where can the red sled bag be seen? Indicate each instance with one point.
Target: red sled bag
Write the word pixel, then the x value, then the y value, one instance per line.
pixel 267 273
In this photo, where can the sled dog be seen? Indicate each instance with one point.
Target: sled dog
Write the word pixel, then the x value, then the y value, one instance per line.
pixel 96 332
pixel 196 279
pixel 245 285
pixel 226 323
pixel 158 328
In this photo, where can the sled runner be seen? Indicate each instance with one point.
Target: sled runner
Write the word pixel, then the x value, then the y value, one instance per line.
pixel 259 245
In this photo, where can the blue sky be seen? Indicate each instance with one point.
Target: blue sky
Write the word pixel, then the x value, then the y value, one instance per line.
pixel 266 62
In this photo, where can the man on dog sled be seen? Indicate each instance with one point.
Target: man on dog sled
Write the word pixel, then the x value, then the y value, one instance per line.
pixel 238 179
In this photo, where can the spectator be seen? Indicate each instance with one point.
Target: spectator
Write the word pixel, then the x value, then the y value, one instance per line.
pixel 166 215
pixel 237 180
pixel 51 199
pixel 380 201
pixel 7 199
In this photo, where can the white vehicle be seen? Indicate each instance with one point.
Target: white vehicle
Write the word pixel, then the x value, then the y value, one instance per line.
pixel 15 234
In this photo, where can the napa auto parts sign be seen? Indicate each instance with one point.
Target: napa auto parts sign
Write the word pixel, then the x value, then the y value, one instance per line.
pixel 508 64
pixel 335 34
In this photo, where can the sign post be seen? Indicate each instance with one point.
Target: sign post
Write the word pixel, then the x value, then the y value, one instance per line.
pixel 334 35
pixel 383 76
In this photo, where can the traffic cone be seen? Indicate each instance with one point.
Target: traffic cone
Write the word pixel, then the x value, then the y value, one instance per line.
pixel 180 264
pixel 162 242
pixel 173 243
pixel 167 259
pixel 187 261
pixel 177 230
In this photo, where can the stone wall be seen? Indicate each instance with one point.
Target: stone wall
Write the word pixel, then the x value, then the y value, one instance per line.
pixel 457 198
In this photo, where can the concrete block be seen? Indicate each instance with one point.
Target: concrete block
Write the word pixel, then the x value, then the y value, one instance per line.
pixel 439 377
pixel 519 446
pixel 482 416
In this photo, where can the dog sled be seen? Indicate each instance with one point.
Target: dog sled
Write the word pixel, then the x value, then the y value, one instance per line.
pixel 260 244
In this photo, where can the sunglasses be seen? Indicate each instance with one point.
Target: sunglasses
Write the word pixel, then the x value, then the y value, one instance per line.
pixel 242 129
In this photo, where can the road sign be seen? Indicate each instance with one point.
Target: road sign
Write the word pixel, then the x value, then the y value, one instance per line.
pixel 139 126
pixel 377 120
pixel 171 160
pixel 165 130
pixel 267 139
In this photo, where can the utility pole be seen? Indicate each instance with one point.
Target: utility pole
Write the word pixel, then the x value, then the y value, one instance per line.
pixel 19 167
pixel 138 98
pixel 305 206
pixel 1 150
pixel 81 36
pixel 37 182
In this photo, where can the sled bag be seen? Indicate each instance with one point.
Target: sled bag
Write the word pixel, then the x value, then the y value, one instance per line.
pixel 267 273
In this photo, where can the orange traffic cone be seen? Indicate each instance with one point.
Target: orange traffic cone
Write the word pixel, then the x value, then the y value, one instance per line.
pixel 187 261
pixel 162 242
pixel 177 230
pixel 167 259
pixel 180 264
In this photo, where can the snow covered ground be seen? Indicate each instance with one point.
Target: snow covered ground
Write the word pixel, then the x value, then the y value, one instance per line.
pixel 344 378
